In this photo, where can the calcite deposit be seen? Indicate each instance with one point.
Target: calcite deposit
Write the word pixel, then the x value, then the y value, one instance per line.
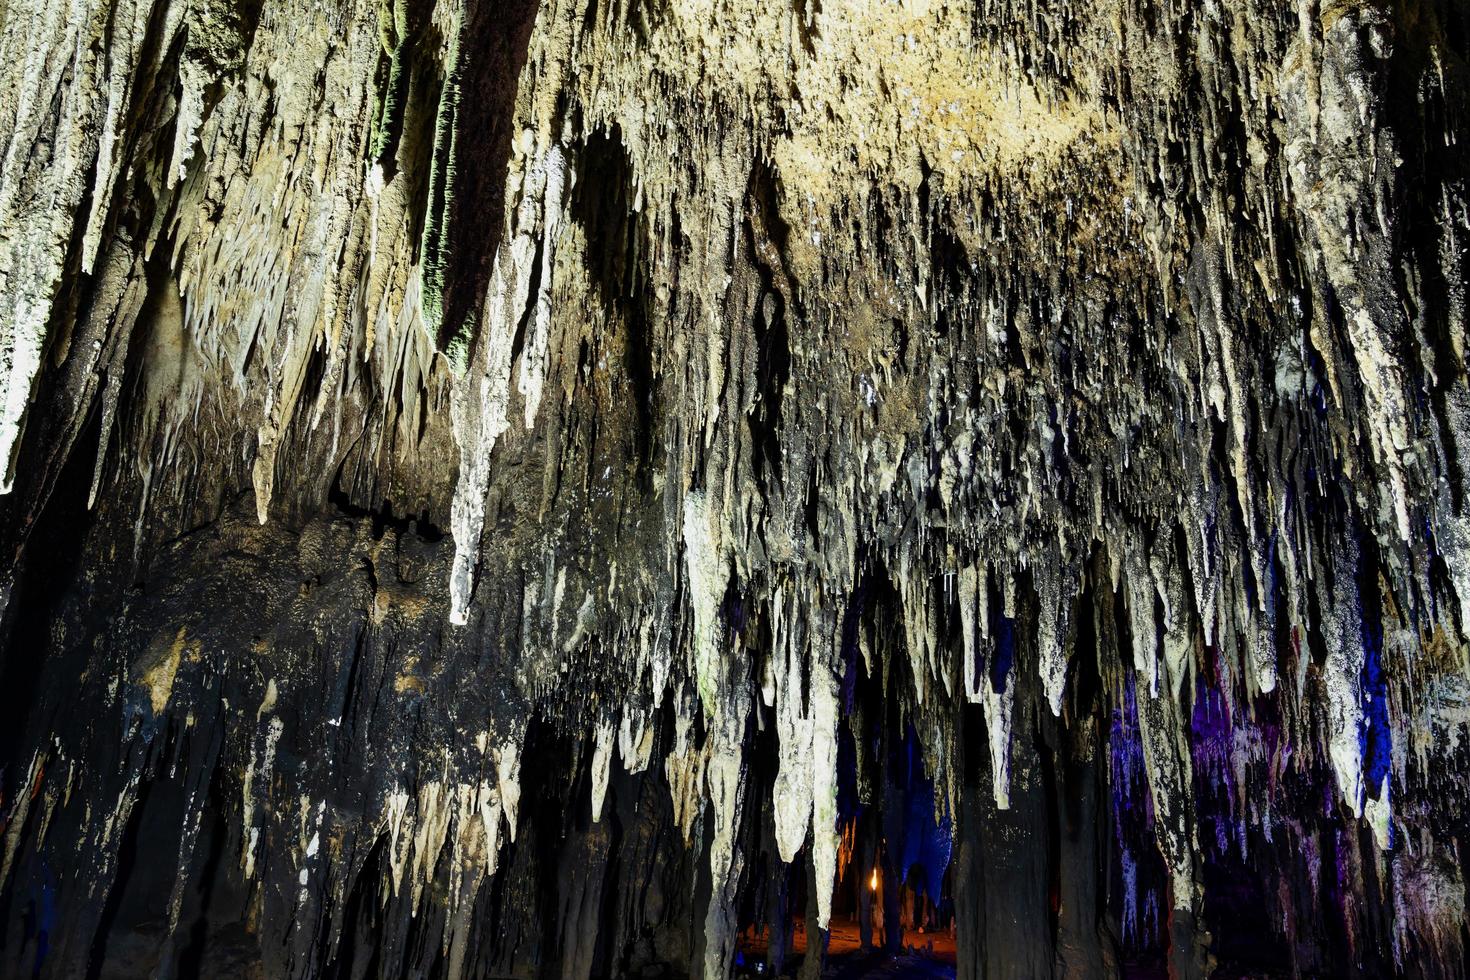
pixel 548 487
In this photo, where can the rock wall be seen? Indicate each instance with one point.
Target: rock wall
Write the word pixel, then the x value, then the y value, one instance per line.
pixel 497 488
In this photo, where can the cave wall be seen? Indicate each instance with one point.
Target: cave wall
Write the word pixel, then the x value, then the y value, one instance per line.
pixel 488 486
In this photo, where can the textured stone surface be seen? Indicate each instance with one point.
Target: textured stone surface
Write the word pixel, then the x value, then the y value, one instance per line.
pixel 490 485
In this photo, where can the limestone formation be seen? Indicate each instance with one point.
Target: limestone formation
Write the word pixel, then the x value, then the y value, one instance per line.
pixel 536 488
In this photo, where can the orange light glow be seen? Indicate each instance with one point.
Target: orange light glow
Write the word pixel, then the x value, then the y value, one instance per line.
pixel 873 881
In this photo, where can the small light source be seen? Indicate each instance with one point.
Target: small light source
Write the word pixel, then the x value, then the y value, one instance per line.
pixel 873 881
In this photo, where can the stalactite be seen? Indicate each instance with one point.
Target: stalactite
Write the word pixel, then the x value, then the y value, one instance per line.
pixel 527 488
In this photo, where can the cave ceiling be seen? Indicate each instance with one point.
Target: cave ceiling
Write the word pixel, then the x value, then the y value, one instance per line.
pixel 537 488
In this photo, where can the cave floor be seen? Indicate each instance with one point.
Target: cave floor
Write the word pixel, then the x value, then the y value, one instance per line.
pixel 851 966
pixel 927 954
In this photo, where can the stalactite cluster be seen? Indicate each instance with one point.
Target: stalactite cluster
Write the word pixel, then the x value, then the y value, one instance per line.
pixel 537 488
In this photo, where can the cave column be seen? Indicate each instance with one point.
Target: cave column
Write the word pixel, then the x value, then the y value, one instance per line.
pixel 816 936
pixel 867 857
